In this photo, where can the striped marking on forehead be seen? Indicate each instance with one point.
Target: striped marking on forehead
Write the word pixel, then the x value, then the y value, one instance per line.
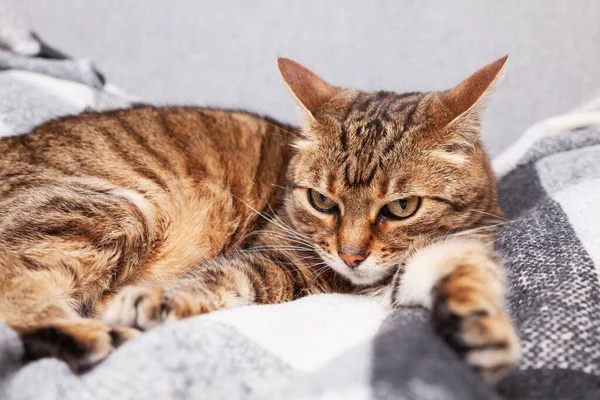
pixel 382 105
pixel 373 126
pixel 360 170
pixel 369 114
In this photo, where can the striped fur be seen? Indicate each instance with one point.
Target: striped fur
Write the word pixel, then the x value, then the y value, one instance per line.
pixel 142 216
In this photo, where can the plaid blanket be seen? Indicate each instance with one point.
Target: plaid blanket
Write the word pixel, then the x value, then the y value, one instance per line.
pixel 336 346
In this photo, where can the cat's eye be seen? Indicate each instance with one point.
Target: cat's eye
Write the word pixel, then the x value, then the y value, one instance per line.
pixel 403 208
pixel 321 202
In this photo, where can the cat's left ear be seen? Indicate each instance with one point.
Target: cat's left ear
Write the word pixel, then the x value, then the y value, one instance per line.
pixel 310 90
pixel 466 101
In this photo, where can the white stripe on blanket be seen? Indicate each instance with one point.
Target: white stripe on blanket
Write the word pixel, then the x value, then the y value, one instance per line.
pixel 577 201
pixel 572 178
pixel 309 332
pixel 510 157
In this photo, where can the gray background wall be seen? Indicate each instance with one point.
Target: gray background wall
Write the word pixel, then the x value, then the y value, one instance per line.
pixel 223 53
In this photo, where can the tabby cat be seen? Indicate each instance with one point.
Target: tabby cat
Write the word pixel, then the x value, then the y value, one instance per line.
pixel 112 223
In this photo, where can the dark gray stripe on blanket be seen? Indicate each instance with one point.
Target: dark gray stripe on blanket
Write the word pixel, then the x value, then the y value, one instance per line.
pixel 520 191
pixel 411 362
pixel 545 384
pixel 554 292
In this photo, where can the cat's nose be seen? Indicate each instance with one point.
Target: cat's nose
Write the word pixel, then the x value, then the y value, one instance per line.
pixel 352 259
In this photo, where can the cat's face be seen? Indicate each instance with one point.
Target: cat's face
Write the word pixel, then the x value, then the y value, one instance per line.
pixel 377 174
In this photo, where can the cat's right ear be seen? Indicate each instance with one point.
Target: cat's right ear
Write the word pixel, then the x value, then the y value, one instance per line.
pixel 468 98
pixel 309 90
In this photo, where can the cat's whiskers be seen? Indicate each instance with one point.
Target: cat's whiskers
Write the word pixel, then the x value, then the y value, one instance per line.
pixel 285 235
pixel 268 247
pixel 319 272
pixel 309 257
pixel 479 229
pixel 269 267
pixel 276 216
pixel 279 186
pixel 287 227
pixel 311 266
pixel 281 224
pixel 271 219
pixel 470 231
pixel 490 214
pixel 294 134
pixel 278 235
pixel 293 234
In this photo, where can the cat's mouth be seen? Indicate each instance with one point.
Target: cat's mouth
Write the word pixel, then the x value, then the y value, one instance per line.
pixel 368 272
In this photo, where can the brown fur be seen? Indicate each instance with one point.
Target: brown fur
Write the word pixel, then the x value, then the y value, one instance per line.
pixel 153 214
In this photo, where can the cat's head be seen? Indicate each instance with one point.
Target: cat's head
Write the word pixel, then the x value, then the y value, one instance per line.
pixel 378 174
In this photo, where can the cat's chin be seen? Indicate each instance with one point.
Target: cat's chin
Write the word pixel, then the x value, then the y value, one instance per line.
pixel 366 274
pixel 363 278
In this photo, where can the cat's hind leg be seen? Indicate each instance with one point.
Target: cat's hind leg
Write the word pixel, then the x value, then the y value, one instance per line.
pixel 62 249
pixel 81 343
pixel 40 307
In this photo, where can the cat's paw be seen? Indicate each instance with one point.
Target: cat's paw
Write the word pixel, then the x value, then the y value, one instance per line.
pixel 144 307
pixel 474 324
pixel 81 344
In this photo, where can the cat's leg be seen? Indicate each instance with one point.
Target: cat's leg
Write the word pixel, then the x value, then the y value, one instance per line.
pixel 80 342
pixel 463 283
pixel 40 307
pixel 61 249
pixel 222 283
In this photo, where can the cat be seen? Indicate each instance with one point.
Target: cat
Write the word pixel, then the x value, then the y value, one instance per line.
pixel 112 223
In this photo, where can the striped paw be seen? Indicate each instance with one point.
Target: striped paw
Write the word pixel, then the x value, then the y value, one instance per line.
pixel 472 321
pixel 144 308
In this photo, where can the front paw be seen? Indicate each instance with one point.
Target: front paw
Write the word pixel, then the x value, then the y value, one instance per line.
pixel 474 324
pixel 144 307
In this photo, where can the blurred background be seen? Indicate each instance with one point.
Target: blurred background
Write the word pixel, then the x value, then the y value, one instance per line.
pixel 222 53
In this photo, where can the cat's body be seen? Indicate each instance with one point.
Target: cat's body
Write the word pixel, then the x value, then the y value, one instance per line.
pixel 136 217
pixel 148 191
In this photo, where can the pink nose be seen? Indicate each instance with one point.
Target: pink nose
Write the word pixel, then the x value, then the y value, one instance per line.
pixel 352 259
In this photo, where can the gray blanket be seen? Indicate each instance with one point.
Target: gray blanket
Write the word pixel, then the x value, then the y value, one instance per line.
pixel 334 346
